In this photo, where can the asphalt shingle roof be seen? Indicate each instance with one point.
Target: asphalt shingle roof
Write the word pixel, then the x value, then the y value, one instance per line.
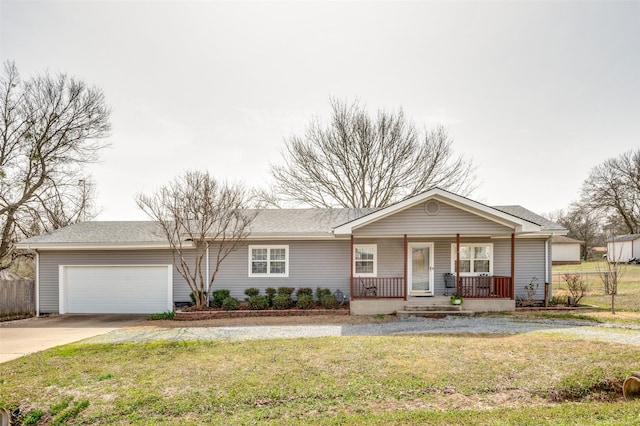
pixel 270 222
pixel 528 215
pixel 628 237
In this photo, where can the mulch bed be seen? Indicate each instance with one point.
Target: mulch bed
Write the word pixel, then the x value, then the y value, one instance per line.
pixel 217 313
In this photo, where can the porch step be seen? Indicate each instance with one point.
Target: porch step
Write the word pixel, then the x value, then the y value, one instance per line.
pixel 453 308
pixel 432 311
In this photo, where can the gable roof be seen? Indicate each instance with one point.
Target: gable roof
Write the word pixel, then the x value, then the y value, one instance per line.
pixel 515 217
pixel 561 239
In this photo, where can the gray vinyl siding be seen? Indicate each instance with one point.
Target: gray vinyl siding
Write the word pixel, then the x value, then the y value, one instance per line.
pixel 530 262
pixel 449 220
pixel 311 264
pixel 529 259
pixel 51 260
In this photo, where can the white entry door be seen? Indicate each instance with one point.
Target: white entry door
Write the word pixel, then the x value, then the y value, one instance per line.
pixel 420 265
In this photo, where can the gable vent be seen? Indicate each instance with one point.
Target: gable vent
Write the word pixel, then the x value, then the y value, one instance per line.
pixel 432 208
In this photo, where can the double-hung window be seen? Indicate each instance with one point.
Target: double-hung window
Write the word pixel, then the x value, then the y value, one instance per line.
pixel 475 259
pixel 365 260
pixel 268 261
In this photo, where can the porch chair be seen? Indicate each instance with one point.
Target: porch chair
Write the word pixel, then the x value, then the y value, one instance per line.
pixel 368 289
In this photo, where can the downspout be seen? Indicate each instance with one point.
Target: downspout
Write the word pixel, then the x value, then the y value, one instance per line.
pixel 206 270
pixel 37 283
pixel 548 278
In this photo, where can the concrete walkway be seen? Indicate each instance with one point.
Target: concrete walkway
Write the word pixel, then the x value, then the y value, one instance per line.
pixel 18 338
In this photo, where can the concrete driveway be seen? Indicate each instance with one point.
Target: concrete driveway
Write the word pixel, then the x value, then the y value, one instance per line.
pixel 18 338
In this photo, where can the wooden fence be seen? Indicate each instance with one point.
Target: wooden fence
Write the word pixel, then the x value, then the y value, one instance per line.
pixel 17 299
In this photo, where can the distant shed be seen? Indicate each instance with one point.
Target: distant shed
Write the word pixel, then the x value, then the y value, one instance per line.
pixel 565 250
pixel 623 247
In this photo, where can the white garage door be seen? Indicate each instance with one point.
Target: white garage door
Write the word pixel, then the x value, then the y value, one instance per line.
pixel 116 289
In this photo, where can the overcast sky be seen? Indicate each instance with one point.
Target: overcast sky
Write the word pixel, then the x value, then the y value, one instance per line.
pixel 535 93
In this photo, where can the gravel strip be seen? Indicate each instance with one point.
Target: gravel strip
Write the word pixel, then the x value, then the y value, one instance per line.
pixel 448 325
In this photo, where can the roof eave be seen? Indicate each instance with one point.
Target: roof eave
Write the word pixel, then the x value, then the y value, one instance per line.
pixel 96 246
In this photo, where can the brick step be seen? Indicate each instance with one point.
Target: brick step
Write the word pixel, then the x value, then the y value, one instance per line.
pixel 452 308
pixel 433 314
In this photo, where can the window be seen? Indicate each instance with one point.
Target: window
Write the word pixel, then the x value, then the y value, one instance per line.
pixel 365 260
pixel 268 261
pixel 475 259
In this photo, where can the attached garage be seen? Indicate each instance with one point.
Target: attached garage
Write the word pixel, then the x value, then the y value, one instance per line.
pixel 137 289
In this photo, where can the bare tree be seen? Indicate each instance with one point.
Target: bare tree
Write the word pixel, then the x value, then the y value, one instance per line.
pixel 50 127
pixel 583 223
pixel 613 188
pixel 360 161
pixel 611 271
pixel 196 214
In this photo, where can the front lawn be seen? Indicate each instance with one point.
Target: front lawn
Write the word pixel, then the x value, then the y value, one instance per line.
pixel 521 379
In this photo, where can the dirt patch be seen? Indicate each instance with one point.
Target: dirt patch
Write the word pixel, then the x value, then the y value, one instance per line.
pixel 311 319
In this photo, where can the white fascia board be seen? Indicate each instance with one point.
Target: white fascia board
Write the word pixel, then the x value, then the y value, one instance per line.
pixel 278 236
pixel 479 209
pixel 98 246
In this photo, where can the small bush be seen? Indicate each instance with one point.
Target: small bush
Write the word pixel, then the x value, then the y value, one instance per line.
pixel 576 287
pixel 304 291
pixel 558 301
pixel 282 301
pixel 258 303
pixel 252 292
pixel 203 296
pixel 286 290
pixel 218 296
pixel 271 293
pixel 321 292
pixel 230 304
pixel 163 316
pixel 305 301
pixel 329 301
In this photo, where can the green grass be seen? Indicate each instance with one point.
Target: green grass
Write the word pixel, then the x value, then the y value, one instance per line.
pixel 334 381
pixel 627 301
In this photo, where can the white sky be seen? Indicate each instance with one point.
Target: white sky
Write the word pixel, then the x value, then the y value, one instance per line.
pixel 536 93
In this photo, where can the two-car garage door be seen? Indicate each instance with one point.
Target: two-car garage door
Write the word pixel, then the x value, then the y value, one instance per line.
pixel 116 289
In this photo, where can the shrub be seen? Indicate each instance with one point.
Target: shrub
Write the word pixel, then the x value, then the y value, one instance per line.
pixel 305 301
pixel 304 291
pixel 218 296
pixel 258 303
pixel 286 290
pixel 321 292
pixel 329 301
pixel 271 293
pixel 230 304
pixel 192 296
pixel 162 316
pixel 558 300
pixel 576 287
pixel 252 292
pixel 531 290
pixel 282 301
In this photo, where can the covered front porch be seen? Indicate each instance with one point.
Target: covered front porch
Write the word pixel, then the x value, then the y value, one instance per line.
pixel 433 268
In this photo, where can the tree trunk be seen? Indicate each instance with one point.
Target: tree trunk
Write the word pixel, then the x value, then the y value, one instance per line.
pixel 613 298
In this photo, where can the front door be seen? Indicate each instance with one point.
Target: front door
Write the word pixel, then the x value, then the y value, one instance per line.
pixel 420 265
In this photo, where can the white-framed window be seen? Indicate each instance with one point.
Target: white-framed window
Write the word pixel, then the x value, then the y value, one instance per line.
pixel 268 261
pixel 475 259
pixel 365 260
